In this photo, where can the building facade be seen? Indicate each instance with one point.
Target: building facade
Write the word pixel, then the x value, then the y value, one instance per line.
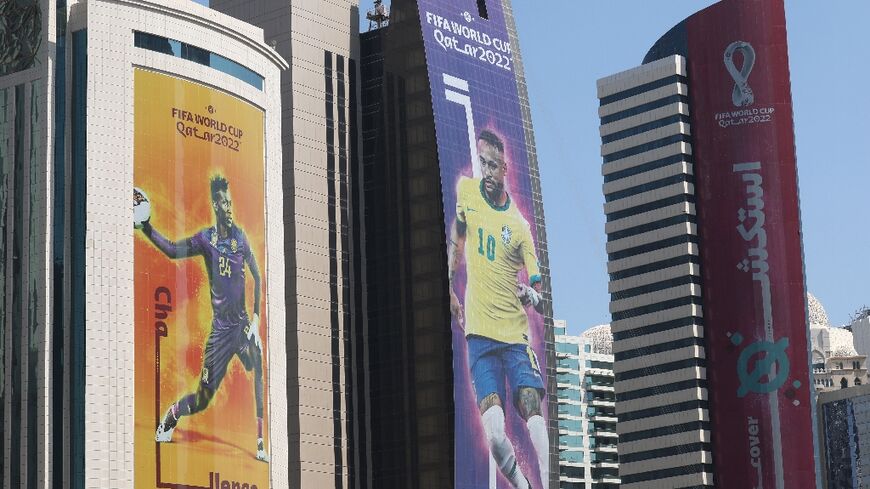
pixel 835 361
pixel 844 426
pixel 423 112
pixel 860 327
pixel 587 409
pixel 688 142
pixel 80 130
pixel 322 213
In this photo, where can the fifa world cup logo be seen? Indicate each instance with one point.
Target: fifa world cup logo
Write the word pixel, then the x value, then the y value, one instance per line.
pixel 742 94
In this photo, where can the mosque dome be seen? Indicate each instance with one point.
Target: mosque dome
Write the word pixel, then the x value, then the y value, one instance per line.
pixel 600 338
pixel 817 313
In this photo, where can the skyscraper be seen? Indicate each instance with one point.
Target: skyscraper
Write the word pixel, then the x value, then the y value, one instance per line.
pixel 447 237
pixel 704 255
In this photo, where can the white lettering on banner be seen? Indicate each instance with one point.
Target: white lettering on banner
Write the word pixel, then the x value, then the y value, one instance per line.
pixel 765 373
pixel 755 448
pixel 454 36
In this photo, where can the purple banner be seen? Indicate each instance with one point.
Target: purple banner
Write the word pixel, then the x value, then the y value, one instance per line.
pixel 498 328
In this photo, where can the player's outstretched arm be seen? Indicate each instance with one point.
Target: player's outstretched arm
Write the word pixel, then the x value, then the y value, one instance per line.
pixel 172 249
pixel 455 251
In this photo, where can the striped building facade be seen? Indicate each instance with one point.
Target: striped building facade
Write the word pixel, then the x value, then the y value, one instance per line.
pixel 653 262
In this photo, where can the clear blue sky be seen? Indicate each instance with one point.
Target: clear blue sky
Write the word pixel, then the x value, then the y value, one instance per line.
pixel 568 44
pixel 829 66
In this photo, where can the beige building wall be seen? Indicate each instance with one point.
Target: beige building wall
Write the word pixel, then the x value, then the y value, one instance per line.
pixel 319 39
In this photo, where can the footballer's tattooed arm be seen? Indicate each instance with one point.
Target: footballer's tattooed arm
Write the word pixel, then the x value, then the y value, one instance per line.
pixel 529 402
pixel 172 249
pixel 455 251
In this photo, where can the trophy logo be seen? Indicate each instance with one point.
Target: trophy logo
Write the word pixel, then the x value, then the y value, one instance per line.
pixel 742 94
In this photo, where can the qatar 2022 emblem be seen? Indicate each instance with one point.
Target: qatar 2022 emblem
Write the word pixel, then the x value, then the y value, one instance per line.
pixel 742 95
pixel 20 34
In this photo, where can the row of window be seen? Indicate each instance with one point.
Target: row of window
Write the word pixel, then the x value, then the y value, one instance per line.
pixel 574 364
pixel 646 87
pixel 198 55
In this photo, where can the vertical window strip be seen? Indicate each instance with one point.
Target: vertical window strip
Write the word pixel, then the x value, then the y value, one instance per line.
pixel 18 321
pixel 58 235
pixel 5 170
pixel 78 228
pixel 34 291
pixel 345 245
pixel 333 267
pixel 354 285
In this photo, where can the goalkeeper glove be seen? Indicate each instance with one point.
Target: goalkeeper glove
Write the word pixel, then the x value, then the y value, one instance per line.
pixel 253 331
pixel 528 295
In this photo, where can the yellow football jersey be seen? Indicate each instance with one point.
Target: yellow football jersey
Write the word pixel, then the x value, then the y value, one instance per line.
pixel 498 244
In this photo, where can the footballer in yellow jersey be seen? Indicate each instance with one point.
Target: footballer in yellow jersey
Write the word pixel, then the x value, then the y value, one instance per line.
pixel 496 242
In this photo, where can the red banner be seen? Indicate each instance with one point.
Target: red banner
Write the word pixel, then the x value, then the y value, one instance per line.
pixel 752 261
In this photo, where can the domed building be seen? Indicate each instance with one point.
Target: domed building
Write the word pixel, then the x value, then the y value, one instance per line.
pixel 836 364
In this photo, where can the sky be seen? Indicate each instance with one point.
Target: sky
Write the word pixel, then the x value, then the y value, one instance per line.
pixel 569 44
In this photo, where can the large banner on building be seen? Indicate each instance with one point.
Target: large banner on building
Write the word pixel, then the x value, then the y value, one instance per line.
pixel 495 282
pixel 199 256
pixel 752 262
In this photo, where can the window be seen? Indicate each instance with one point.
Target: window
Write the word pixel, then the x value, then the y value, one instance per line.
pixel 587 348
pixel 844 383
pixel 857 381
pixel 198 55
pixel 571 456
pixel 569 363
pixel 481 9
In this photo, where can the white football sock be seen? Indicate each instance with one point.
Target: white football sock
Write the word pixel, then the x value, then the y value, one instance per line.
pixel 540 440
pixel 501 448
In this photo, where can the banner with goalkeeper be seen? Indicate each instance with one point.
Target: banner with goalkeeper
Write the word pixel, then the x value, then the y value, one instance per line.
pixel 199 227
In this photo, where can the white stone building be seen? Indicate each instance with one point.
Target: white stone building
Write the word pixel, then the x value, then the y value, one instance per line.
pixel 587 409
pixel 836 363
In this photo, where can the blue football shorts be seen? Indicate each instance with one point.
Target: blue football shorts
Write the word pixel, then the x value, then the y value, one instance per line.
pixel 492 362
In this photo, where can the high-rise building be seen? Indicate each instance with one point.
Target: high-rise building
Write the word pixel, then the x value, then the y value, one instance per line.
pixel 698 150
pixel 587 409
pixel 109 338
pixel 447 233
pixel 324 288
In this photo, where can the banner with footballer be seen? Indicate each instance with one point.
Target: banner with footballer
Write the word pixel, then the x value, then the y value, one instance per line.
pixel 501 439
pixel 199 256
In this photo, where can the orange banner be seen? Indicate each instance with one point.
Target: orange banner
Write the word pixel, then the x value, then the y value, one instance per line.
pixel 200 309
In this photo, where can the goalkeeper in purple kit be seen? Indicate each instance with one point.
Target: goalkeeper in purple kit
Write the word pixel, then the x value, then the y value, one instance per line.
pixel 228 256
